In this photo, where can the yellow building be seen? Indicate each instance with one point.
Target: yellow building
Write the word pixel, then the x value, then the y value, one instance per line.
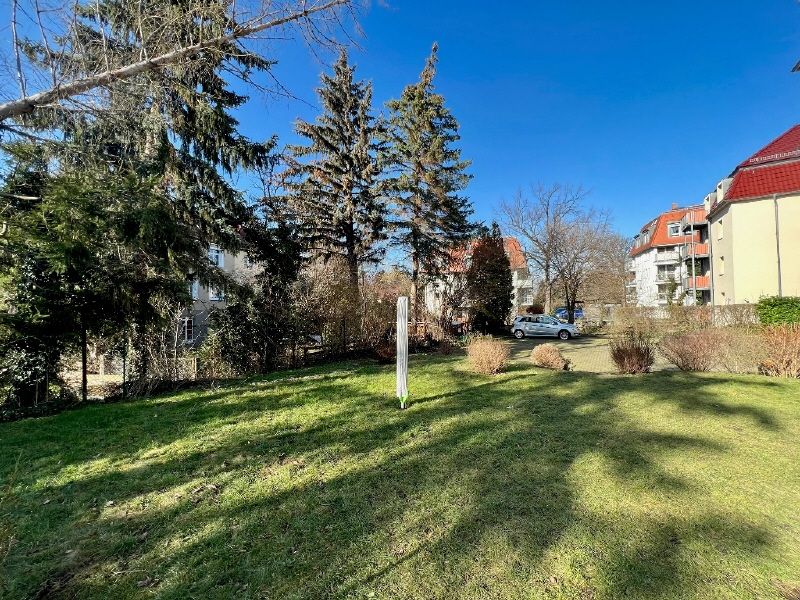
pixel 754 225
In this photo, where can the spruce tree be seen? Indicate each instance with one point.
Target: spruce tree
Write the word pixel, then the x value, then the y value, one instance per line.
pixel 489 283
pixel 427 174
pixel 333 177
pixel 156 163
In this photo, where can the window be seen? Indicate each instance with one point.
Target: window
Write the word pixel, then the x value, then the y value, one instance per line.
pixel 194 289
pixel 665 272
pixel 527 296
pixel 674 229
pixel 216 295
pixel 188 329
pixel 719 229
pixel 216 256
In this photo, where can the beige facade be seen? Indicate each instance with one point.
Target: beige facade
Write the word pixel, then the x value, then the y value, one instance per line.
pixel 747 252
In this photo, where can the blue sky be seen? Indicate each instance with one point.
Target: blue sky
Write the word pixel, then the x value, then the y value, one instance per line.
pixel 644 103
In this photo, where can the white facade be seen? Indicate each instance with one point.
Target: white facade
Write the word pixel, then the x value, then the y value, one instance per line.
pixel 654 270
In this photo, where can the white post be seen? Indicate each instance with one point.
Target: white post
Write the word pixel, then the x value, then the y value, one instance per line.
pixel 402 350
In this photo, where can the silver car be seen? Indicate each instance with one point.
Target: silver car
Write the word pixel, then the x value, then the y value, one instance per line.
pixel 542 325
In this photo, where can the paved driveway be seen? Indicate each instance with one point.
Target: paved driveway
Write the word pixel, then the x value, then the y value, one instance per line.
pixel 586 353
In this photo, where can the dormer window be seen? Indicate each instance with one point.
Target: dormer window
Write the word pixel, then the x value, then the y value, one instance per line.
pixel 674 229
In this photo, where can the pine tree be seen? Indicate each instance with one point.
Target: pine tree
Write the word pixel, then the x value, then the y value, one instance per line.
pixel 489 283
pixel 333 179
pixel 428 172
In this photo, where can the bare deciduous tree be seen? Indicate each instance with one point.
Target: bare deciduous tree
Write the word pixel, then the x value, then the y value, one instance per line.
pixel 579 253
pixel 570 246
pixel 540 219
pixel 607 284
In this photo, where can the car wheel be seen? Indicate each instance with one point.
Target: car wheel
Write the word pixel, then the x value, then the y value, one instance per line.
pixel 519 334
pixel 563 334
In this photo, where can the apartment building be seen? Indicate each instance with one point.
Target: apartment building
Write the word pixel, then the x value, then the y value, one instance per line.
pixel 451 282
pixel 663 265
pixel 754 225
pixel 741 244
pixel 205 299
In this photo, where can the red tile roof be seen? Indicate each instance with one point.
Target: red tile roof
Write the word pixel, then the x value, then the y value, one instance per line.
pixel 775 169
pixel 511 245
pixel 785 146
pixel 659 235
pixel 757 182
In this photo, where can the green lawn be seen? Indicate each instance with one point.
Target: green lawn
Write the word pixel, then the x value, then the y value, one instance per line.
pixel 313 484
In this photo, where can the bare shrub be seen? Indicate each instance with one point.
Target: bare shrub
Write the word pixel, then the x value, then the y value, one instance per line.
pixel 447 346
pixel 385 350
pixel 739 349
pixel 487 355
pixel 782 344
pixel 643 321
pixel 549 357
pixel 688 318
pixel 736 315
pixel 690 351
pixel 633 352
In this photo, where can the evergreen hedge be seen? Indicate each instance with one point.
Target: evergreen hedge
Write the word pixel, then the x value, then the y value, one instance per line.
pixel 775 310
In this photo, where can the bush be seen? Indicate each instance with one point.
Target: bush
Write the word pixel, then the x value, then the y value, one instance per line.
pixel 537 308
pixel 774 310
pixel 549 357
pixel 736 315
pixel 385 351
pixel 447 346
pixel 687 318
pixel 739 349
pixel 591 327
pixel 212 364
pixel 782 344
pixel 690 351
pixel 487 355
pixel 633 352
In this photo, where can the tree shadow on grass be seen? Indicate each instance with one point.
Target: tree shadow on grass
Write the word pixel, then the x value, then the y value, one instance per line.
pixel 471 491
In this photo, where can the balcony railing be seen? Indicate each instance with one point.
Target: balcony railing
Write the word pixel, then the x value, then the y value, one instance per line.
pixel 701 282
pixel 667 257
pixel 699 250
pixel 693 219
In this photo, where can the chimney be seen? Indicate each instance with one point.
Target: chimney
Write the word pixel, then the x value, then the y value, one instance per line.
pixel 674 206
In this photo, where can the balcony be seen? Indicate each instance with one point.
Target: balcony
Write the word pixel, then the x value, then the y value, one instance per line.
pixel 694 219
pixel 670 257
pixel 699 250
pixel 701 282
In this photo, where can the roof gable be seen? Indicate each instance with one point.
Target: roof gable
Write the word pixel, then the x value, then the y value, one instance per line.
pixel 659 235
pixel 785 146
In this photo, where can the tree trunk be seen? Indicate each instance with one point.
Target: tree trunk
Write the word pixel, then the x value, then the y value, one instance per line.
pixel 415 293
pixel 548 291
pixel 84 361
pixel 570 301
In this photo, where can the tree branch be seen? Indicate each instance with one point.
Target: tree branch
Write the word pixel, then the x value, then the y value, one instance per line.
pixel 28 104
